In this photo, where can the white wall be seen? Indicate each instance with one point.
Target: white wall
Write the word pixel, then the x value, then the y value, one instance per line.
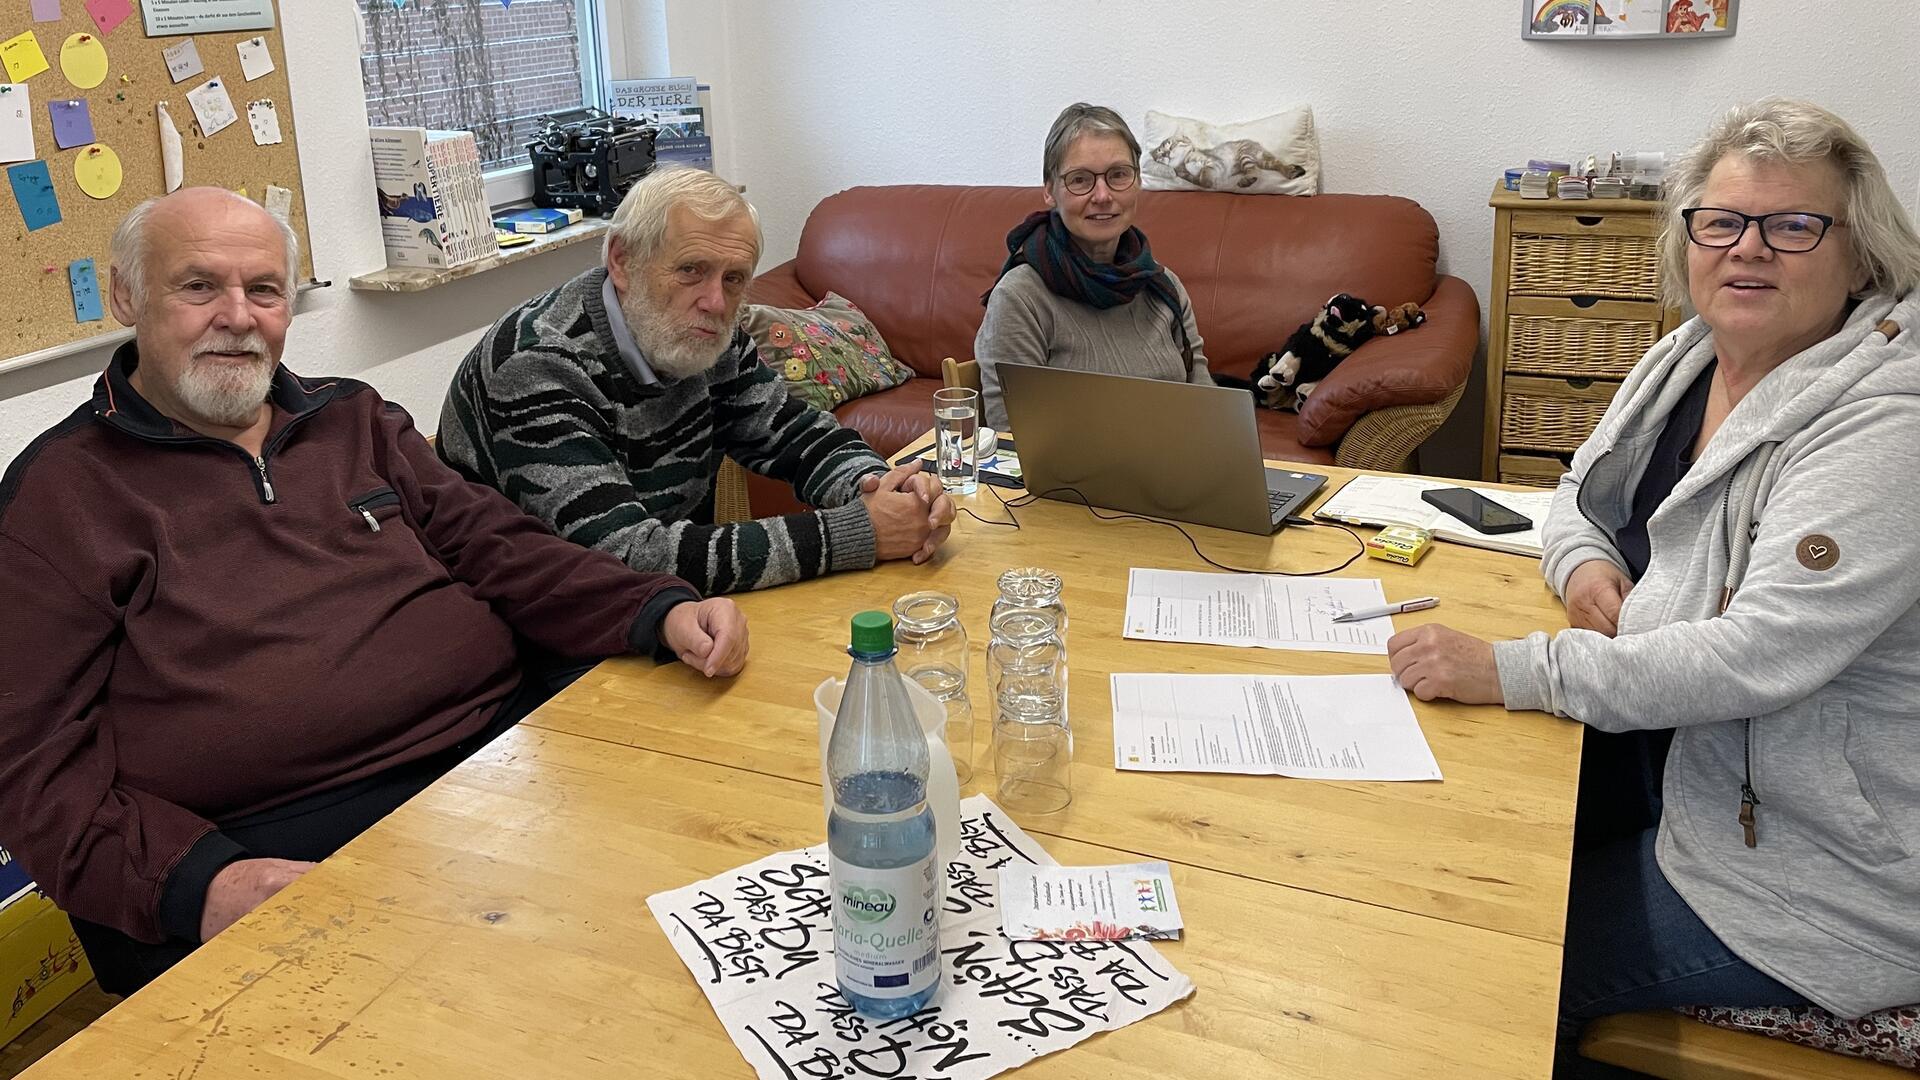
pixel 406 345
pixel 1430 101
pixel 812 96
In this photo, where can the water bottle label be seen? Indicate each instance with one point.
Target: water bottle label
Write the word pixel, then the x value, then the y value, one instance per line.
pixel 886 928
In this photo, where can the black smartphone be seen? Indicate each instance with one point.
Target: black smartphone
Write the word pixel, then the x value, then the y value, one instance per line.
pixel 1478 511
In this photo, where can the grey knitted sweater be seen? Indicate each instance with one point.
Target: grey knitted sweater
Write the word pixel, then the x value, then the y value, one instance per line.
pixel 544 409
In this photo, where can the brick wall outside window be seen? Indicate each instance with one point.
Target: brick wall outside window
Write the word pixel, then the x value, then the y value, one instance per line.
pixel 473 65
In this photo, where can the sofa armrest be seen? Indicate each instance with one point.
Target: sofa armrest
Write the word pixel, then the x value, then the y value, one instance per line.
pixel 780 287
pixel 1421 366
pixel 1385 439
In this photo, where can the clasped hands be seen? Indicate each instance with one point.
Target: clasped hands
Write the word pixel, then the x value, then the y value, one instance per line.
pixel 911 513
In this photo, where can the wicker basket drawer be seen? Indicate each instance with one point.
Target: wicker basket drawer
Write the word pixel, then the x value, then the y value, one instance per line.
pixel 1618 267
pixel 1555 345
pixel 1589 220
pixel 1554 415
pixel 1531 469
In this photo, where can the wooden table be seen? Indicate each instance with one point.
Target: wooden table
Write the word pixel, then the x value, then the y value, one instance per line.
pixel 497 926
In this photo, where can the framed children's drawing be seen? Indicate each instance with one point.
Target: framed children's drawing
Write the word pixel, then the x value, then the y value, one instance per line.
pixel 1627 20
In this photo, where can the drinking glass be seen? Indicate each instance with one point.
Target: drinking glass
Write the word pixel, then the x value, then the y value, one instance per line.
pixel 933 653
pixel 1032 747
pixel 956 420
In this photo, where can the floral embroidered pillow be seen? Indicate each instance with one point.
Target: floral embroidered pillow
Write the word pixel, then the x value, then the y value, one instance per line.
pixel 827 354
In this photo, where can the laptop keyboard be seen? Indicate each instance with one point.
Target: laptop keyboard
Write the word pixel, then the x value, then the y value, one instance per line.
pixel 1278 501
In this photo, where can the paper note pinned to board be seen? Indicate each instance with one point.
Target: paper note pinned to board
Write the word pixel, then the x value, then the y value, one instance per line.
pixel 86 291
pixel 21 56
pixel 16 123
pixel 280 202
pixel 265 122
pixel 255 60
pixel 83 60
pixel 33 190
pixel 211 106
pixel 97 171
pixel 72 122
pixel 170 18
pixel 108 14
pixel 183 60
pixel 46 10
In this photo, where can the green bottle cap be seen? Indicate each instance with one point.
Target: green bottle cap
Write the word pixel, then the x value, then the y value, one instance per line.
pixel 873 632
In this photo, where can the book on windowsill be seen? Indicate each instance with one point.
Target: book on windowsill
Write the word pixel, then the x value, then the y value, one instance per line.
pixel 536 219
pixel 1380 501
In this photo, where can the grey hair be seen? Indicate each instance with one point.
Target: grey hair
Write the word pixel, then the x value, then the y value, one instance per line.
pixel 1080 119
pixel 130 249
pixel 640 224
pixel 1886 250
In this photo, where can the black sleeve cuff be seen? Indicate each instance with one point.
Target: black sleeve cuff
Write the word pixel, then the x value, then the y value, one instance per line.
pixel 644 636
pixel 185 893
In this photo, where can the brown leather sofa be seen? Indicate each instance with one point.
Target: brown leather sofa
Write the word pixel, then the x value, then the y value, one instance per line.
pixel 917 258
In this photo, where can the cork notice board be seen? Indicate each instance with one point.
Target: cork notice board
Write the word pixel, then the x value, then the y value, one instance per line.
pixel 37 301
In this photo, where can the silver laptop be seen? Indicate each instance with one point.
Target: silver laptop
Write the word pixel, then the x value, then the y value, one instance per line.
pixel 1164 449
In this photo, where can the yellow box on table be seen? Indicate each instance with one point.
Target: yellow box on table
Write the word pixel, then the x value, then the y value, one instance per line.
pixel 41 962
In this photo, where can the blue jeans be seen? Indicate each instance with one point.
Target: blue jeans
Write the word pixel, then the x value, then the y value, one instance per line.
pixel 1632 943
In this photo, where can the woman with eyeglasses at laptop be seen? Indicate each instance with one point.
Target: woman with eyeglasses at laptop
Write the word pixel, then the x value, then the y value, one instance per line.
pixel 1737 547
pixel 1080 288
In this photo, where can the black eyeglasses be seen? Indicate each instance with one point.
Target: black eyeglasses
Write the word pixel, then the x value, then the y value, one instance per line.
pixel 1118 178
pixel 1789 231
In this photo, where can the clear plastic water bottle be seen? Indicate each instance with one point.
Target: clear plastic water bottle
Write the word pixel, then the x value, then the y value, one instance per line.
pixel 880 836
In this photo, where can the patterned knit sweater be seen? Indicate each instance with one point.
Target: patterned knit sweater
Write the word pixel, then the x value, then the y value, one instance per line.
pixel 544 409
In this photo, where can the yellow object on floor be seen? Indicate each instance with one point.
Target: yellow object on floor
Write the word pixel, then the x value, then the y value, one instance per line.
pixel 41 962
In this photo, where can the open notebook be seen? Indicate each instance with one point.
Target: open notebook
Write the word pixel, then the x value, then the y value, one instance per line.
pixel 1395 500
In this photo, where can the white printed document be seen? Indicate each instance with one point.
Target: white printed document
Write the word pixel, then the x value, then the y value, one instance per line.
pixel 1316 727
pixel 1255 611
pixel 1088 903
pixel 1395 500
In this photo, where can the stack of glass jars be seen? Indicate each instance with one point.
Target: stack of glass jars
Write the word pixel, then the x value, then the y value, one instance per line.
pixel 933 653
pixel 1027 677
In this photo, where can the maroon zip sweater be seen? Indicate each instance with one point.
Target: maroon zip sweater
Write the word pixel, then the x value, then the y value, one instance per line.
pixel 190 635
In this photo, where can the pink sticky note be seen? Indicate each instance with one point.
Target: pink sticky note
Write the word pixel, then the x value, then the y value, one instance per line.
pixel 46 10
pixel 108 14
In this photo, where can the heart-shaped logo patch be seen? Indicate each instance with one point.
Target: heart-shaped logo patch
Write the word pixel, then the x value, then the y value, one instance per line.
pixel 1818 551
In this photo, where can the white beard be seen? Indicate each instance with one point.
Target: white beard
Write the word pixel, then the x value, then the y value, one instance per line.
pixel 222 394
pixel 669 348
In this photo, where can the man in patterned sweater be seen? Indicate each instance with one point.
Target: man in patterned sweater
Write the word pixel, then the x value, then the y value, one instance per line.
pixel 605 406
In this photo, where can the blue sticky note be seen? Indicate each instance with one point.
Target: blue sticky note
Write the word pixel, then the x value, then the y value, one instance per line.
pixel 86 291
pixel 72 122
pixel 33 190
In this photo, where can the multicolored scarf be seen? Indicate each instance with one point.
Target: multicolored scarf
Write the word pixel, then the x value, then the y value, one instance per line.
pixel 1043 242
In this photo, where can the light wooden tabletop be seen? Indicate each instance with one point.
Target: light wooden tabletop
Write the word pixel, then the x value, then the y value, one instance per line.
pixel 1488 847
pixel 496 926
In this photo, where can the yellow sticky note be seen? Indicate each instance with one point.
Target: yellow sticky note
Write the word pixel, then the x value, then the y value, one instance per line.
pixel 97 170
pixel 242 192
pixel 83 59
pixel 22 56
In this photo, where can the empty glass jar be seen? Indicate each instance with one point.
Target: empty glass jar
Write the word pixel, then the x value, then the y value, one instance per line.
pixel 1032 746
pixel 1033 588
pixel 933 653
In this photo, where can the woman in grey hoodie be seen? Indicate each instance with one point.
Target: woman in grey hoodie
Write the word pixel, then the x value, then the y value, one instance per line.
pixel 1738 547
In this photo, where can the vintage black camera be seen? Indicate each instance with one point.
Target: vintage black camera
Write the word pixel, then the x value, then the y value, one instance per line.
pixel 587 159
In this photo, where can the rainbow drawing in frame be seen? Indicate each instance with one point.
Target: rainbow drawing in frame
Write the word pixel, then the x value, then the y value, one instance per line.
pixel 1562 18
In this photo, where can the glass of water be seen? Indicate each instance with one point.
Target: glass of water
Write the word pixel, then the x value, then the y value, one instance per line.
pixel 956 420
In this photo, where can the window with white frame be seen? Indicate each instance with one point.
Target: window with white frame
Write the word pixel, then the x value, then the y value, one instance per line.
pixel 490 67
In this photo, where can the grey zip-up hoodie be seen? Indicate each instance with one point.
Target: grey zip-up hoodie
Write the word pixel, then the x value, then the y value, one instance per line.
pixel 1820 647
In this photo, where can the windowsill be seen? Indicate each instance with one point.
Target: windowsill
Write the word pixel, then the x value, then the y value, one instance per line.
pixel 404 279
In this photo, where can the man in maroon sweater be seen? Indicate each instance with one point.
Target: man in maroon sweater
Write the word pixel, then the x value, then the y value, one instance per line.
pixel 244 615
